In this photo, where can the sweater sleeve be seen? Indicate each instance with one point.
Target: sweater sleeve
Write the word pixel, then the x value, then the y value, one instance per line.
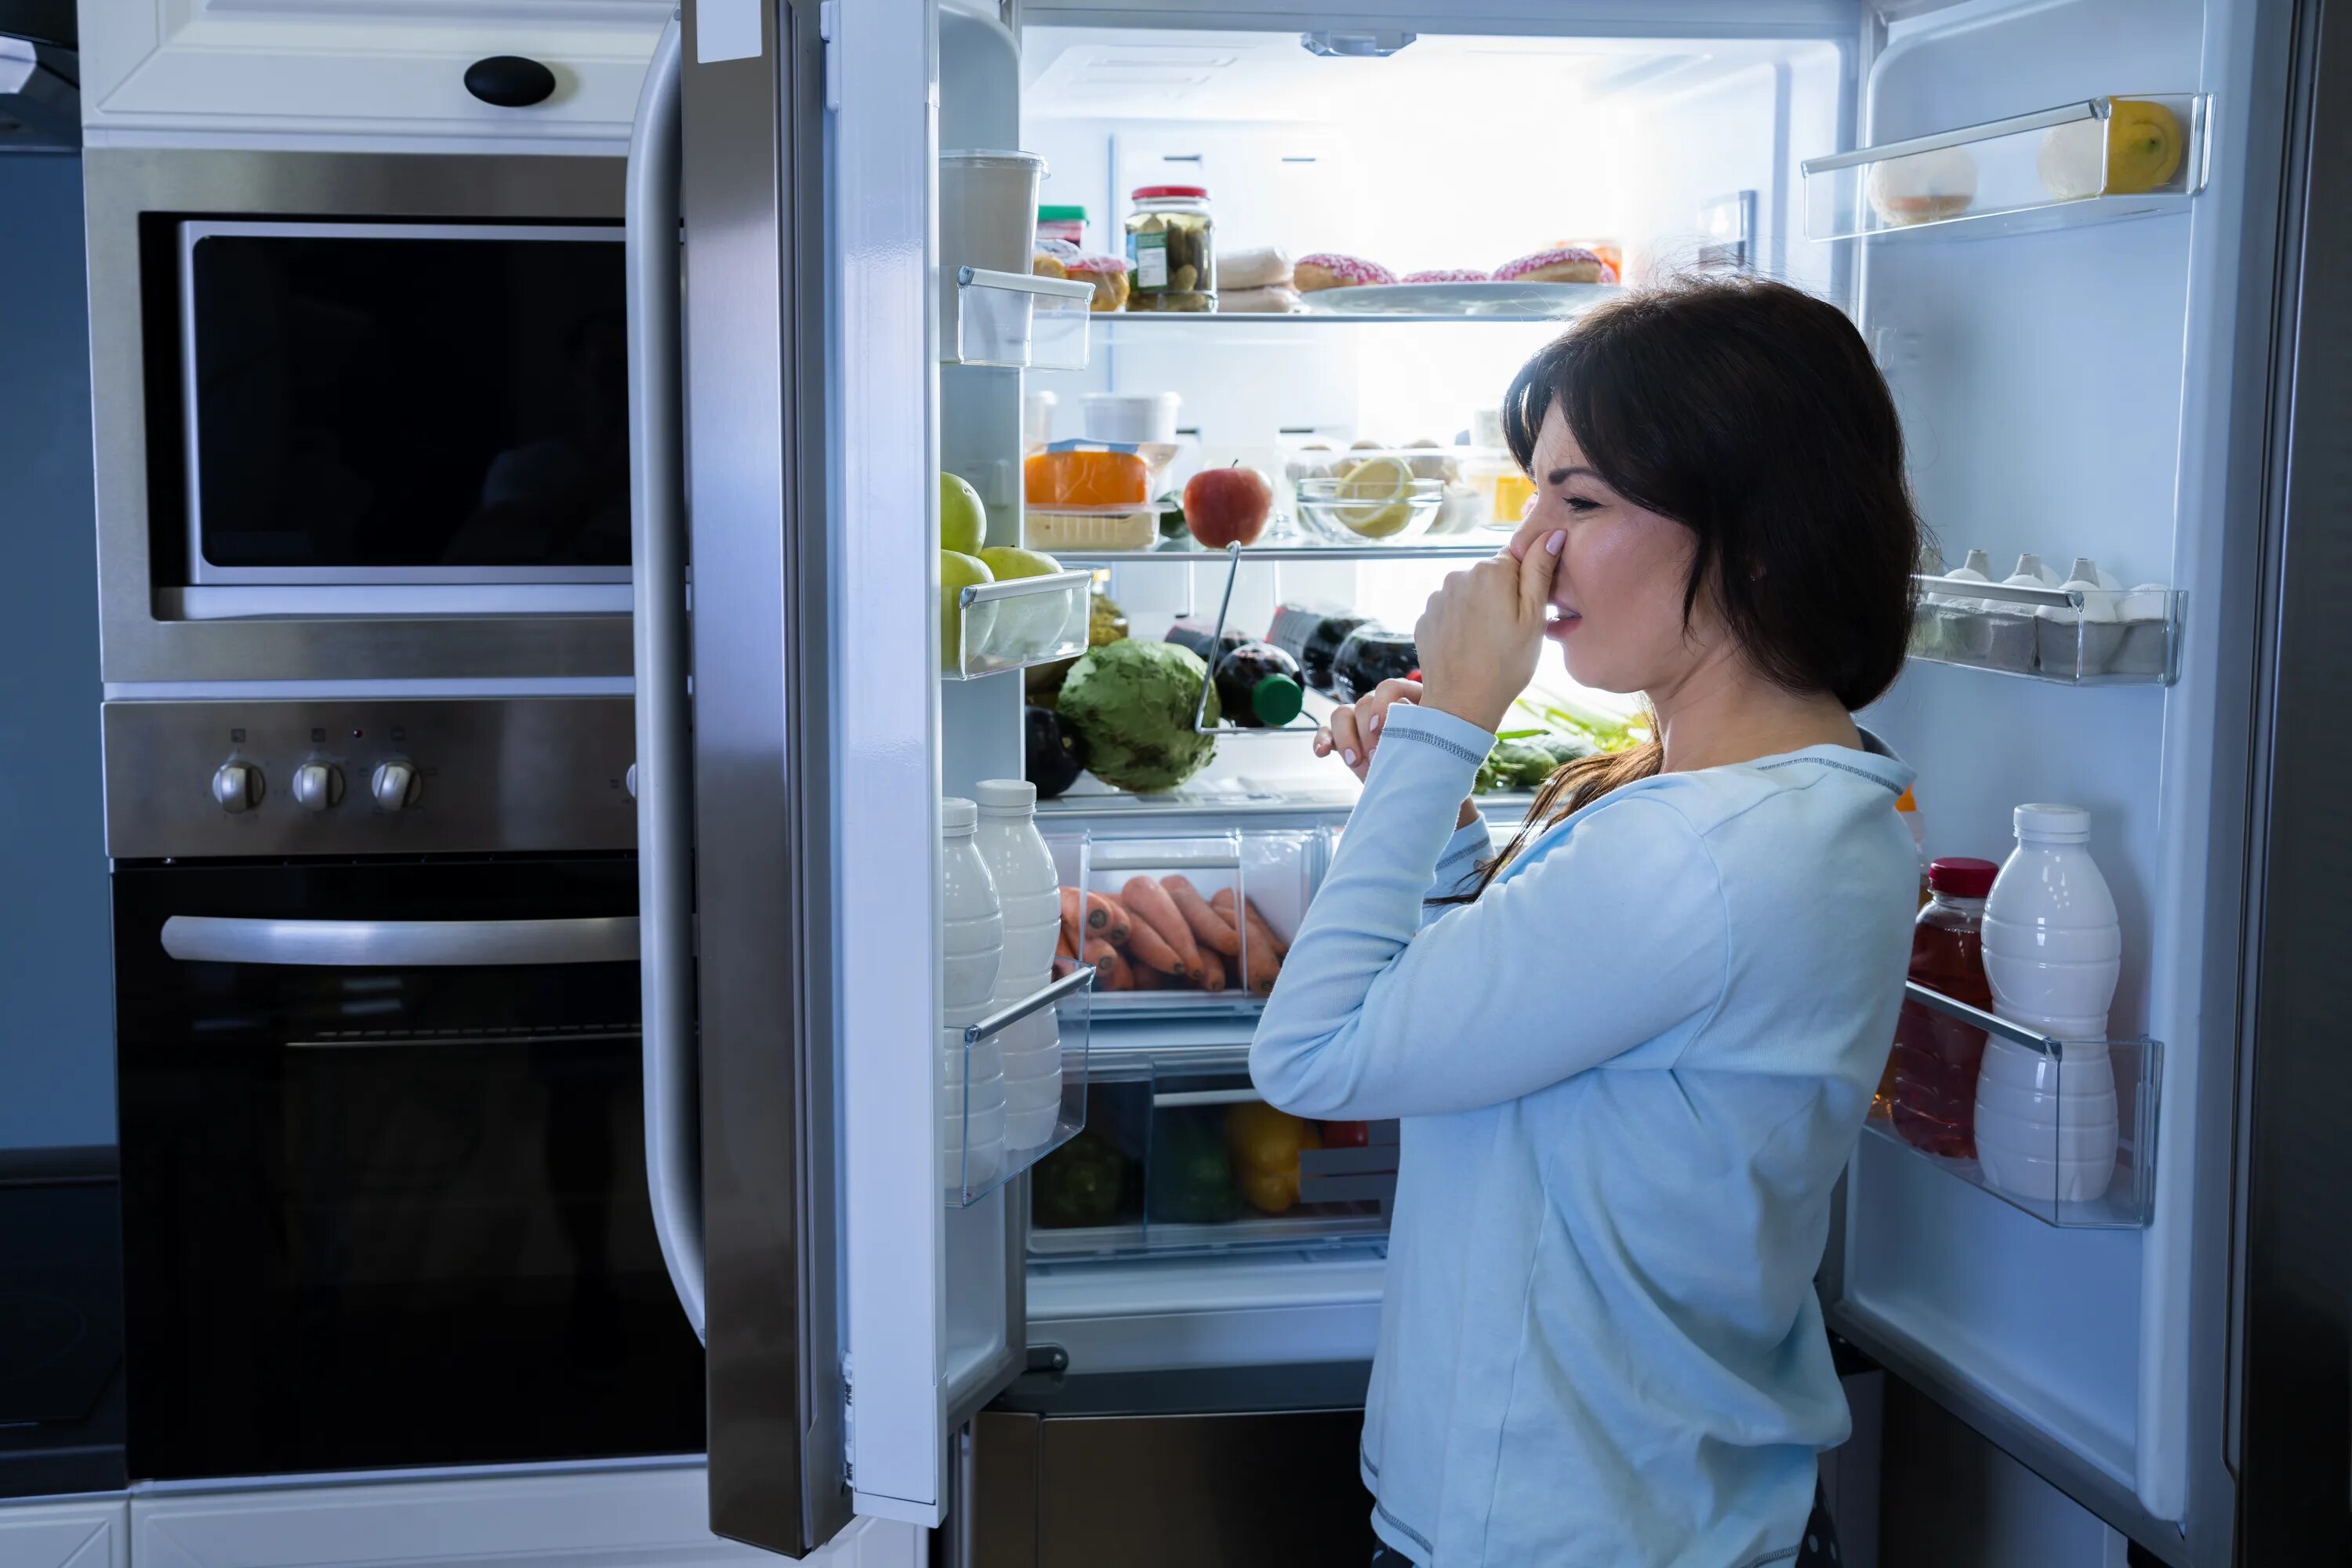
pixel 1612 939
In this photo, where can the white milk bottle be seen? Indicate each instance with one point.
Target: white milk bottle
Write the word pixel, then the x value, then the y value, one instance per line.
pixel 1030 889
pixel 972 943
pixel 2052 950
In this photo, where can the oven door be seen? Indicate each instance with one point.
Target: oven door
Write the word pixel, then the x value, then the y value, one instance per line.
pixel 383 1170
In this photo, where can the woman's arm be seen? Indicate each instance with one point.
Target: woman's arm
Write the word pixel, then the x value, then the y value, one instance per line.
pixel 1612 939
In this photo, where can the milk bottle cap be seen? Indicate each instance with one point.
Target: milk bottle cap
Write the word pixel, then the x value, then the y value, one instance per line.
pixel 2054 824
pixel 1016 797
pixel 958 816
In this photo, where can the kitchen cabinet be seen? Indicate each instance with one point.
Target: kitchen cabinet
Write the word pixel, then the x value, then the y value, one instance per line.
pixel 592 1519
pixel 397 72
pixel 92 1533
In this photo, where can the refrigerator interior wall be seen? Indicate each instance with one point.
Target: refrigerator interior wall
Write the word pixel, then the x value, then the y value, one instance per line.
pixel 2045 380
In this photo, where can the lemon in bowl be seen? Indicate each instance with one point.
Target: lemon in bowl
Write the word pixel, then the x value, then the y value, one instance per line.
pixel 1378 499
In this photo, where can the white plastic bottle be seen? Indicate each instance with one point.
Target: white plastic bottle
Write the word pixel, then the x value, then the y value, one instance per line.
pixel 1030 888
pixel 971 942
pixel 2052 950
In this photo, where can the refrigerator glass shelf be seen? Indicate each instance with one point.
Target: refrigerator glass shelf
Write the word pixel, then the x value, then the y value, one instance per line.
pixel 1016 624
pixel 982 1124
pixel 2093 161
pixel 2043 633
pixel 1442 547
pixel 2063 1133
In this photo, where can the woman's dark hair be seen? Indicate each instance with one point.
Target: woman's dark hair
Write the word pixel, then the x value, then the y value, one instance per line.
pixel 1750 413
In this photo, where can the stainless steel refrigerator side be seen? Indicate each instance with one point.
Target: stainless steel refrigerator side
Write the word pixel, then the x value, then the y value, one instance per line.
pixel 2293 1446
pixel 663 772
pixel 126 188
pixel 766 862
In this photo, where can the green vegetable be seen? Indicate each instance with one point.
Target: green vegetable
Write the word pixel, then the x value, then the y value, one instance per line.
pixel 1078 1183
pixel 1133 704
pixel 1191 1179
pixel 1105 623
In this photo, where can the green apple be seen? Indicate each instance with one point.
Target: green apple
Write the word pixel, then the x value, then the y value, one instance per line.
pixel 1029 626
pixel 964 522
pixel 957 572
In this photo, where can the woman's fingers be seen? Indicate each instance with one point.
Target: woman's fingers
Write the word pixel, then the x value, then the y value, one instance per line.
pixel 1347 738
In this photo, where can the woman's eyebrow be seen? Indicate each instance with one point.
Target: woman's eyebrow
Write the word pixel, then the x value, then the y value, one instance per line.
pixel 1561 476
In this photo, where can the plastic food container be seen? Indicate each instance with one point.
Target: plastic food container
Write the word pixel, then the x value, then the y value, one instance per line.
pixel 988 218
pixel 1171 248
pixel 1067 224
pixel 1133 416
pixel 1088 527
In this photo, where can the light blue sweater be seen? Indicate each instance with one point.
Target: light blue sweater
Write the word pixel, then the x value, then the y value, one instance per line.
pixel 1628 1076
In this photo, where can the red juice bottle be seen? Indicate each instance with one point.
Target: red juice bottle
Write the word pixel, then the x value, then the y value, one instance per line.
pixel 1933 1097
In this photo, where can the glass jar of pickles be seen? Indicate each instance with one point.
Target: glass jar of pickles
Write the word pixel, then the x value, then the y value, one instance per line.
pixel 1170 251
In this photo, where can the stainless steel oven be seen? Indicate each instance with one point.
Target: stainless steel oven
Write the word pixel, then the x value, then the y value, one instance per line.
pixel 382 1120
pixel 358 416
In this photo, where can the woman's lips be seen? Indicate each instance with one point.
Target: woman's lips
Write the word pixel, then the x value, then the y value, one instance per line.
pixel 1562 622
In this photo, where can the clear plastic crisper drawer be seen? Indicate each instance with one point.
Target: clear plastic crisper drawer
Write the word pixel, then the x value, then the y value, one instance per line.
pixel 2087 162
pixel 1159 916
pixel 1014 1087
pixel 1017 623
pixel 1187 1160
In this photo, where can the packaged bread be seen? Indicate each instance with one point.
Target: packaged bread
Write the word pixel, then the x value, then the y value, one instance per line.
pixel 1277 300
pixel 1107 273
pixel 1267 267
pixel 1086 477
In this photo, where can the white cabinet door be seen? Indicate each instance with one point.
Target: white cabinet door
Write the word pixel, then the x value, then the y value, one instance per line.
pixel 311 67
pixel 594 1519
pixel 85 1534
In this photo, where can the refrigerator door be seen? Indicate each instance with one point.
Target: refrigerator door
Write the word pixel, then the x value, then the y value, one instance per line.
pixel 2085 389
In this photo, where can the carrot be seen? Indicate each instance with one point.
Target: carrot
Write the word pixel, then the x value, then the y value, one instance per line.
pixel 1065 944
pixel 1213 971
pixel 1150 979
pixel 1111 970
pixel 1149 904
pixel 1107 917
pixel 1145 946
pixel 1074 912
pixel 1259 931
pixel 1214 930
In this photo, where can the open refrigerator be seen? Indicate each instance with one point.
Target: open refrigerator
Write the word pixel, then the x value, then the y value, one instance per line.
pixel 2082 370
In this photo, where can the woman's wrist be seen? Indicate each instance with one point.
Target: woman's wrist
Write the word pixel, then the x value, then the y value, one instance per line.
pixel 1466 815
pixel 1468 707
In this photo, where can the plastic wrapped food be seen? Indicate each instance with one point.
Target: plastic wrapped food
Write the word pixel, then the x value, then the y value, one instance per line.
pixel 1065 477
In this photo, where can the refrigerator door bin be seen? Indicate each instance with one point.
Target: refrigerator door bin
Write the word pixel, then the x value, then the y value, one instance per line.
pixel 2089 162
pixel 1014 624
pixel 2063 1130
pixel 2048 634
pixel 984 1104
pixel 1020 322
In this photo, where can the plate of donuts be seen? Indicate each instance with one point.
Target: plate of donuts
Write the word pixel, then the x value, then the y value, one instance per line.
pixel 1553 284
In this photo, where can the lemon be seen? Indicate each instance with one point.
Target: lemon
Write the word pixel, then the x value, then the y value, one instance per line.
pixel 1375 498
pixel 2143 145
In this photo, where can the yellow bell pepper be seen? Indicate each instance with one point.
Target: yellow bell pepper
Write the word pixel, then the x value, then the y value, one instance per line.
pixel 1265 1144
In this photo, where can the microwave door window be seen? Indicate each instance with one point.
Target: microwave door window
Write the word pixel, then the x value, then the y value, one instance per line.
pixel 371 402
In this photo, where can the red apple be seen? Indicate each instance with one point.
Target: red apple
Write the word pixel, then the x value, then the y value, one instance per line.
pixel 1227 506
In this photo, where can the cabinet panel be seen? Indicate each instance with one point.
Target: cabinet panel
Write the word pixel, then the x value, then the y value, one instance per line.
pixel 93 1535
pixel 307 68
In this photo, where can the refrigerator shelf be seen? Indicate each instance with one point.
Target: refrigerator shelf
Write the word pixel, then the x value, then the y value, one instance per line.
pixel 1018 321
pixel 2043 633
pixel 2063 1131
pixel 975 1152
pixel 2093 161
pixel 1024 621
pixel 1185 552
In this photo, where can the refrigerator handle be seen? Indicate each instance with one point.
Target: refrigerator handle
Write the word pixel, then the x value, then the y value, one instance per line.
pixel 664 765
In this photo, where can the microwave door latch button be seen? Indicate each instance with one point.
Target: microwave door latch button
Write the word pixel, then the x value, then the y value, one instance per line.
pixel 394 786
pixel 238 787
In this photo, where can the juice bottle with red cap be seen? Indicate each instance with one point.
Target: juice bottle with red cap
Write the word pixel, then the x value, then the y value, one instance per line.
pixel 1932 1095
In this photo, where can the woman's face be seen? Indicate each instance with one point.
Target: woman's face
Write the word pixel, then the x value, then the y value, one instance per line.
pixel 1617 597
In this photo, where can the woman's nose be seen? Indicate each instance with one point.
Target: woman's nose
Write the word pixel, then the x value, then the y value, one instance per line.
pixel 1531 528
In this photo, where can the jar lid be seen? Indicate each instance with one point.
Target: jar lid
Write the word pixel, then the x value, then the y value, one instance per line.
pixel 2067 824
pixel 1016 796
pixel 1062 215
pixel 1153 193
pixel 958 816
pixel 1962 876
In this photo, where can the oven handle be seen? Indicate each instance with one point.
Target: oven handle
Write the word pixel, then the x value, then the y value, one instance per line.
pixel 665 767
pixel 406 945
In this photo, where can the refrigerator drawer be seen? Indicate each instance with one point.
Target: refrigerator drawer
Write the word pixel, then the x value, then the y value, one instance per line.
pixel 1182 1159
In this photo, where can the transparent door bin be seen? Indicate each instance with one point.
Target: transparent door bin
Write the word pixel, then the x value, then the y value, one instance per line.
pixel 1016 624
pixel 2089 162
pixel 1269 875
pixel 989 1132
pixel 2048 634
pixel 1020 322
pixel 2063 1130
pixel 1188 1159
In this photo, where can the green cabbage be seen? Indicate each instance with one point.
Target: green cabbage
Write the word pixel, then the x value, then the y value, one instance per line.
pixel 1133 703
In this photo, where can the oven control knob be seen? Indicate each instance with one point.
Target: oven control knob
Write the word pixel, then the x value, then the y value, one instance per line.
pixel 395 785
pixel 630 780
pixel 238 787
pixel 318 785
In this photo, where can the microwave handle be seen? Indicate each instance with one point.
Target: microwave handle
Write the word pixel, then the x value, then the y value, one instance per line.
pixel 426 944
pixel 664 766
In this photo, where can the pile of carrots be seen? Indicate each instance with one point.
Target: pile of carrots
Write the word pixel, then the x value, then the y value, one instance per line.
pixel 1164 936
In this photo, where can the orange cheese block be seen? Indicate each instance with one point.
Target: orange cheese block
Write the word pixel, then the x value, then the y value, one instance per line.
pixel 1086 478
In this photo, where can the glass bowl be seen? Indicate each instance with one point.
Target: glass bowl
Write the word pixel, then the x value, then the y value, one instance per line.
pixel 1360 509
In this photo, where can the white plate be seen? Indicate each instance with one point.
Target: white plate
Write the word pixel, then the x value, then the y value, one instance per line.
pixel 1543 300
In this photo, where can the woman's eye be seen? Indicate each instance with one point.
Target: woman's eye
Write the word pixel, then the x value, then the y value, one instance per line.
pixel 1581 503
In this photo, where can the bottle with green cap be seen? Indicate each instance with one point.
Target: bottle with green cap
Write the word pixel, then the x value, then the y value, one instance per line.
pixel 1258 684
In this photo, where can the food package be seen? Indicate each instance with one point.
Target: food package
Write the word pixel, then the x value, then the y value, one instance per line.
pixel 1107 273
pixel 1265 267
pixel 1052 257
pixel 1924 187
pixel 1277 299
pixel 1073 476
pixel 1100 528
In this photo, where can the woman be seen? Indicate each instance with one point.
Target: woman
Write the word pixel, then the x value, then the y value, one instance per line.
pixel 1632 1053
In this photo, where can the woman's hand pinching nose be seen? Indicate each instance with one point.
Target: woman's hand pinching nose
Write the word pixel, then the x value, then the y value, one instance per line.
pixel 1480 635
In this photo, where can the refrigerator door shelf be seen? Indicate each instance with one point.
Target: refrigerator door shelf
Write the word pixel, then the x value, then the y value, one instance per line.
pixel 984 1111
pixel 1018 622
pixel 2093 161
pixel 1016 320
pixel 2045 633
